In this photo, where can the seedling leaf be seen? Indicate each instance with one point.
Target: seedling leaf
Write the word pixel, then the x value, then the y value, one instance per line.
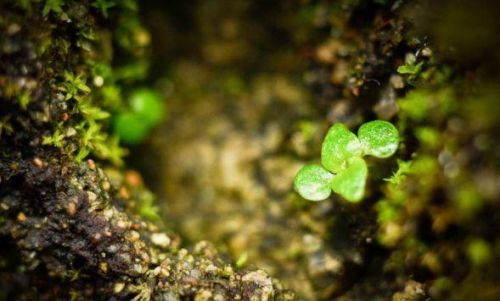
pixel 350 183
pixel 379 138
pixel 410 68
pixel 312 182
pixel 339 145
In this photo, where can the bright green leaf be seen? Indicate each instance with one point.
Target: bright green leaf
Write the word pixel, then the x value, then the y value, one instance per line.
pixel 339 145
pixel 24 99
pixel 103 6
pixel 379 138
pixel 242 260
pixel 56 139
pixel 82 153
pixel 52 5
pixel 111 150
pixel 410 68
pixel 350 183
pixel 92 112
pixel 404 168
pixel 312 182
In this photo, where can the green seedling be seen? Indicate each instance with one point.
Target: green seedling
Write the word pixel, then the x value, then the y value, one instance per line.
pixel 411 69
pixel 103 6
pixel 343 169
pixel 74 86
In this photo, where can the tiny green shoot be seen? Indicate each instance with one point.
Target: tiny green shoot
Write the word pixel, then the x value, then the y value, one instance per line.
pixel 242 260
pixel 343 169
pixel 52 6
pixel 411 69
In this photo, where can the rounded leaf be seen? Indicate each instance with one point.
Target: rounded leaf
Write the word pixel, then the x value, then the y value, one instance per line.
pixel 312 182
pixel 379 138
pixel 350 183
pixel 339 145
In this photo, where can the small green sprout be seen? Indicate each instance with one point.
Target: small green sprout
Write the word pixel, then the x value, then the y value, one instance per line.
pixel 95 140
pixel 24 99
pixel 404 168
pixel 52 6
pixel 411 69
pixel 242 260
pixel 91 112
pixel 103 6
pixel 56 139
pixel 343 169
pixel 73 85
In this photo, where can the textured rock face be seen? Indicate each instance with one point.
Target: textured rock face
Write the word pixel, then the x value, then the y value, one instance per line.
pixel 70 229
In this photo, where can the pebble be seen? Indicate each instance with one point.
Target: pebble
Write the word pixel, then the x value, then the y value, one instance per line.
pixel 21 217
pixel 71 209
pixel 38 162
pixel 91 164
pixel 160 239
pixel 92 196
pixel 119 286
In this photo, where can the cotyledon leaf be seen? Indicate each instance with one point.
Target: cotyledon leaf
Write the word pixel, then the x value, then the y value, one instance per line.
pixel 350 183
pixel 379 138
pixel 339 145
pixel 312 182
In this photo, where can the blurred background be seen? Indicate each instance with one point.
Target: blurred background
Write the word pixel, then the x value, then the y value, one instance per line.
pixel 250 88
